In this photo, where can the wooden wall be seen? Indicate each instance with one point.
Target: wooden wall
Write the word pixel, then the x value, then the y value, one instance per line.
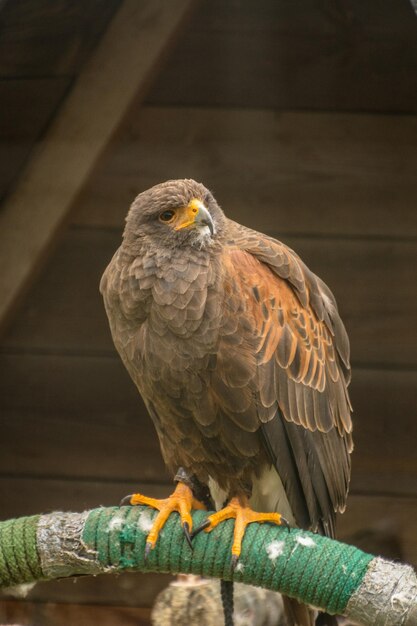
pixel 334 182
pixel 343 55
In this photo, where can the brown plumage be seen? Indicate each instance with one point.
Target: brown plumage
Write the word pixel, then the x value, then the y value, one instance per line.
pixel 238 351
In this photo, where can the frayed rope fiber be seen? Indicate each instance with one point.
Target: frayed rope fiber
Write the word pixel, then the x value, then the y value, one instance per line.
pixel 297 563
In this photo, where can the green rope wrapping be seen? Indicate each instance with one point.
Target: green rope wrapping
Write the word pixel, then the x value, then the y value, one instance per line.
pixel 19 561
pixel 300 564
pixel 297 563
pixel 313 569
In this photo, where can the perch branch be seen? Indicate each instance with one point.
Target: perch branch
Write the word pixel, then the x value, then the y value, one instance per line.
pixel 335 577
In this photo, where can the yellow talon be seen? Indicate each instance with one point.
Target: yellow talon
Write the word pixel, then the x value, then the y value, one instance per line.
pixel 181 500
pixel 239 509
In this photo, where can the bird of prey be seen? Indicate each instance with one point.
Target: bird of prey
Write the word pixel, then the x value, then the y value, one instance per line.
pixel 242 360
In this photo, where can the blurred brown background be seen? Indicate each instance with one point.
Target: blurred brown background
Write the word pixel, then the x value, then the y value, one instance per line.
pixel 300 116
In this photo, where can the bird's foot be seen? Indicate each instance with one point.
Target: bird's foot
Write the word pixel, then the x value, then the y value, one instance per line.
pixel 239 509
pixel 181 500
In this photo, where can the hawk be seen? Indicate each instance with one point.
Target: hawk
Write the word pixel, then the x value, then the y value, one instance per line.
pixel 242 360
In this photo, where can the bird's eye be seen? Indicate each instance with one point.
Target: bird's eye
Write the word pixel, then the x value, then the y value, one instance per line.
pixel 167 216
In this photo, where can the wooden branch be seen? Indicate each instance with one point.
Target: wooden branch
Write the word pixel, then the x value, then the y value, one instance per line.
pixel 112 80
pixel 313 569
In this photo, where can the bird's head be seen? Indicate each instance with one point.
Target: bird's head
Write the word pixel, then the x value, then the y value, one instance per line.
pixel 176 213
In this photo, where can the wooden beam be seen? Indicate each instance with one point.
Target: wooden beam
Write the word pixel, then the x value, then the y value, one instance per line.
pixel 382 334
pixel 346 56
pixel 294 172
pixel 112 80
pixel 62 614
pixel 75 410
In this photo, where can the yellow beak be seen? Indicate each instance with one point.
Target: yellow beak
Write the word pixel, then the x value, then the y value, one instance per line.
pixel 194 213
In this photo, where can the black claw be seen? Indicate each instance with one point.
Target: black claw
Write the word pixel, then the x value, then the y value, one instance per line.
pixel 148 548
pixel 235 561
pixel 202 526
pixel 126 501
pixel 186 529
pixel 285 522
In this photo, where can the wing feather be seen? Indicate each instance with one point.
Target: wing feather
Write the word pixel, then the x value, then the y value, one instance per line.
pixel 287 318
